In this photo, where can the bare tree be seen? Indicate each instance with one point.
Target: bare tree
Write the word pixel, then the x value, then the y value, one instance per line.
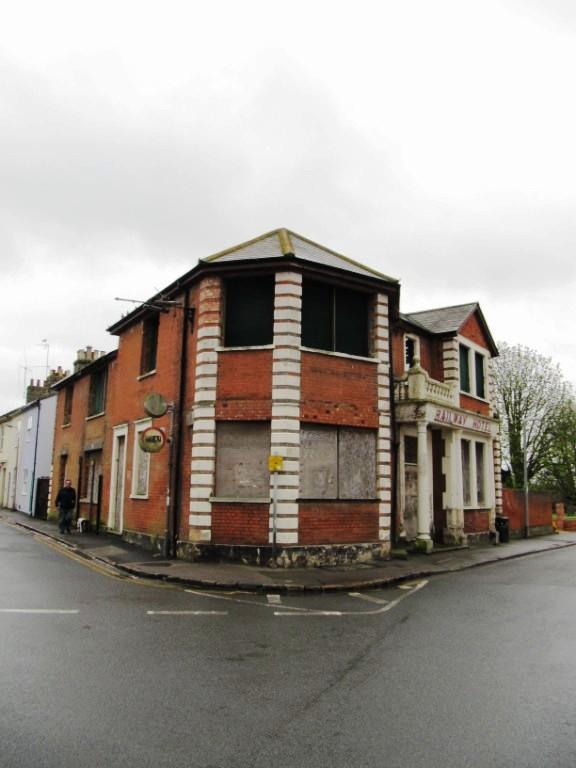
pixel 531 392
pixel 560 464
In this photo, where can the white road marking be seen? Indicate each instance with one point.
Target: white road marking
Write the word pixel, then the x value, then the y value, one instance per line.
pixel 38 610
pixel 308 613
pixel 288 610
pixel 369 598
pixel 384 609
pixel 274 599
pixel 187 613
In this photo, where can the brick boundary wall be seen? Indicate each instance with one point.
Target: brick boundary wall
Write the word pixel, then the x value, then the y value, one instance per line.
pixel 540 505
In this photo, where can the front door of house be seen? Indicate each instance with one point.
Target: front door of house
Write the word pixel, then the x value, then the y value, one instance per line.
pixel 115 521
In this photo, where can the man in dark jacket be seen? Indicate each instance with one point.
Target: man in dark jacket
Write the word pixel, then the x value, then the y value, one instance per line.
pixel 65 501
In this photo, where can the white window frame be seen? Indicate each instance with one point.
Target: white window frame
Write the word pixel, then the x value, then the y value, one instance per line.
pixel 473 476
pixel 416 340
pixel 473 348
pixel 137 454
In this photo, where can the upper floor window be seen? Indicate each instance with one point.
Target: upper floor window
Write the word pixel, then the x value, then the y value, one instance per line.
pixel 68 399
pixel 149 344
pixel 97 397
pixel 411 350
pixel 335 319
pixel 249 313
pixel 472 371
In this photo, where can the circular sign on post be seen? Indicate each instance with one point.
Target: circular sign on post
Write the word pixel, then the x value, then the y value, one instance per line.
pixel 152 440
pixel 155 404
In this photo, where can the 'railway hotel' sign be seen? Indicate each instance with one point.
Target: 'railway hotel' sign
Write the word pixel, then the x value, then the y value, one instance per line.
pixel 462 420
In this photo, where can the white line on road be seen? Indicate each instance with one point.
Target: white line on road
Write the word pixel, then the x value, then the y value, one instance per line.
pixel 369 598
pixel 37 610
pixel 309 613
pixel 384 609
pixel 187 613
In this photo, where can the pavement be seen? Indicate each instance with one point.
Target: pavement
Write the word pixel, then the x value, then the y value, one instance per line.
pixel 109 550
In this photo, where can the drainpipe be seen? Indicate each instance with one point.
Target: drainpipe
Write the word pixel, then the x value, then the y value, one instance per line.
pixel 35 456
pixel 173 517
pixel 394 442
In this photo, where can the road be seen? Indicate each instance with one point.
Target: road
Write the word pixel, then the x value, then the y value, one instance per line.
pixel 471 669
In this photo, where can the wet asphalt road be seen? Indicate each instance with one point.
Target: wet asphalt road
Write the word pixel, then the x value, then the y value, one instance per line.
pixel 472 669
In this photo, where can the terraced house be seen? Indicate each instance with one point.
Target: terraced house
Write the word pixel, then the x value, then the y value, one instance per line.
pixel 251 413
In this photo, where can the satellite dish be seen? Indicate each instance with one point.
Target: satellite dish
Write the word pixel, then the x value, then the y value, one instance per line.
pixel 155 404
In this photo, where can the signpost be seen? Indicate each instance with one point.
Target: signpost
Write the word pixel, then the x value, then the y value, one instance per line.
pixel 275 465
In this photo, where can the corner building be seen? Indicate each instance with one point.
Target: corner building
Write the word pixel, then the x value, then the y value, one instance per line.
pixel 277 347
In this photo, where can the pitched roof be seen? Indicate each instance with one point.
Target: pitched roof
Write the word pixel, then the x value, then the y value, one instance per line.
pixel 278 244
pixel 283 242
pixel 444 319
pixel 449 320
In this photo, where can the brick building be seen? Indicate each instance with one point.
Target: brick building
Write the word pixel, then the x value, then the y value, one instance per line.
pixel 282 348
pixel 81 428
pixel 449 463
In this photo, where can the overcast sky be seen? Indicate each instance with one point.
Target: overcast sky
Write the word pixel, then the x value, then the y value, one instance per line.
pixel 434 141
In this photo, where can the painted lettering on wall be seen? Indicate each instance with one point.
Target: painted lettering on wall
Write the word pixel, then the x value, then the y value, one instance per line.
pixel 446 416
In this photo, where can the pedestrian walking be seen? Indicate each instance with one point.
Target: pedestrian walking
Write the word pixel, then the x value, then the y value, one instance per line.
pixel 65 501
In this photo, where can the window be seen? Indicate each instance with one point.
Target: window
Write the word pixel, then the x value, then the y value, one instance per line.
pixel 249 314
pixel 335 319
pixel 141 463
pixel 68 399
pixel 337 462
pixel 411 350
pixel 466 469
pixel 97 397
pixel 149 344
pixel 479 374
pixel 464 368
pixel 410 449
pixel 242 450
pixel 472 372
pixel 474 473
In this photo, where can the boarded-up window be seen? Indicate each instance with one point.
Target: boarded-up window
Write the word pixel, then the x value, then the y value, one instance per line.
pixel 249 314
pixel 335 319
pixel 337 463
pixel 242 450
pixel 141 463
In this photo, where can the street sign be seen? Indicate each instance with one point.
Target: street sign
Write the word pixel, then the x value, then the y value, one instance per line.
pixel 275 463
pixel 155 404
pixel 152 440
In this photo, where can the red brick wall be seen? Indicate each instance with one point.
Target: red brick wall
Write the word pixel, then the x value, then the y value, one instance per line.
pixel 240 523
pixel 473 330
pixel 540 507
pixel 244 385
pixel 330 523
pixel 74 437
pixel 469 403
pixel 148 516
pixel 338 390
pixel 476 521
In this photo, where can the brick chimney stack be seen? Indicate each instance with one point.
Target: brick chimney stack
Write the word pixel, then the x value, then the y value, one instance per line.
pixel 86 356
pixel 38 389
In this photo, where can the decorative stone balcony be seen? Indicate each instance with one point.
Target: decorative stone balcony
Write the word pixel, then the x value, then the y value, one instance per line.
pixel 417 385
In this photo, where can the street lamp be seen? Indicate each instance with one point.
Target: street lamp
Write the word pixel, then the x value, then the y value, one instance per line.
pixel 526 492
